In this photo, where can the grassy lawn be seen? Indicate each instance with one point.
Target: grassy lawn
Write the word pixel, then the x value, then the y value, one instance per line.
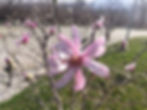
pixel 122 91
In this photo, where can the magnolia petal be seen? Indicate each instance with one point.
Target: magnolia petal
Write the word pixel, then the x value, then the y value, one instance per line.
pixel 80 81
pixel 63 56
pixel 68 46
pixel 56 66
pixel 66 78
pixel 65 45
pixel 101 51
pixel 101 41
pixel 65 40
pixel 61 48
pixel 97 68
pixel 96 49
pixel 76 36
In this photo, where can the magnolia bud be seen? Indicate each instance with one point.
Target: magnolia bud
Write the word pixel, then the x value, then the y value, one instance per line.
pixel 131 67
pixel 52 30
pixel 25 39
pixel 124 45
pixel 31 24
pixel 99 23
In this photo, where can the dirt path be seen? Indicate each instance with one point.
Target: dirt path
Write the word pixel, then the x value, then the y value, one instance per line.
pixel 118 34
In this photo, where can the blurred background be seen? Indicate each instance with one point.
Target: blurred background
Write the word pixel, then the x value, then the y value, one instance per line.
pixel 124 20
pixel 118 12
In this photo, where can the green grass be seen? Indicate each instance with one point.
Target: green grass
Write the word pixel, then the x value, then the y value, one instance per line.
pixel 122 91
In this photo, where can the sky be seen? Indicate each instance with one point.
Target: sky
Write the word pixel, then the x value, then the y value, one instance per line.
pixel 127 2
pixel 71 1
pixel 90 1
pixel 99 3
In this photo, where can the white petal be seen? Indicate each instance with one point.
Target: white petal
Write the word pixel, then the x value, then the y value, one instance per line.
pixel 63 56
pixel 56 65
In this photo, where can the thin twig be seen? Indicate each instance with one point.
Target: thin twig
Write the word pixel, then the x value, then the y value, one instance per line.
pixel 43 46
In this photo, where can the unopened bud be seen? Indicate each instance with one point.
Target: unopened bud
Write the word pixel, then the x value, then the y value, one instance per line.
pixel 31 24
pixel 52 30
pixel 124 45
pixel 99 23
pixel 25 39
pixel 131 67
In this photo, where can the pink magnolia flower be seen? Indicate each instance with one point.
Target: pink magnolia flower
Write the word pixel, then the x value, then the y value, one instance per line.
pixel 31 24
pixel 69 56
pixel 25 39
pixel 130 67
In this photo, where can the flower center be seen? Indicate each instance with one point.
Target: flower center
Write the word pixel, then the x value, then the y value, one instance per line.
pixel 76 61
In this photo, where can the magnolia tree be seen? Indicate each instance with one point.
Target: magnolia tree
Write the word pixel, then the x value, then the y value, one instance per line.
pixel 67 57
